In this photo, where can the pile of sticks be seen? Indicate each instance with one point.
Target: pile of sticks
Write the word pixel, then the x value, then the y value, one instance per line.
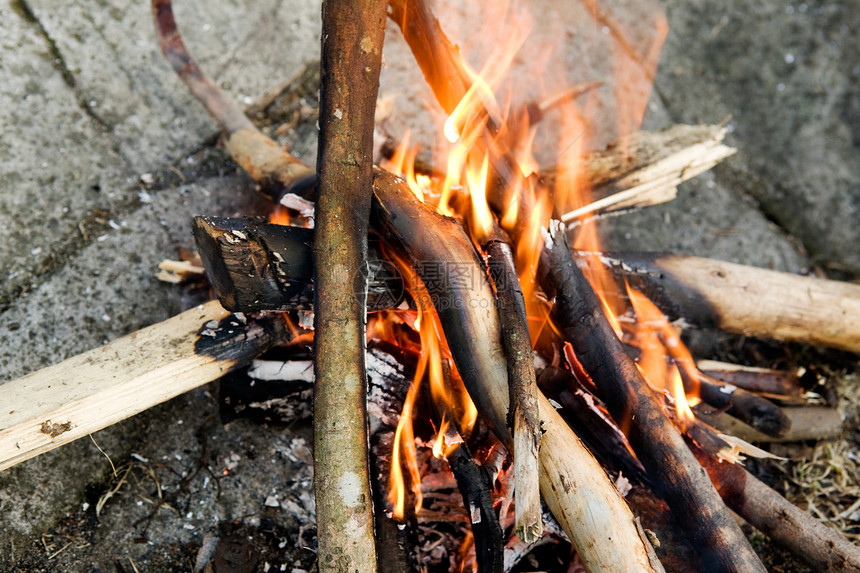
pixel 255 267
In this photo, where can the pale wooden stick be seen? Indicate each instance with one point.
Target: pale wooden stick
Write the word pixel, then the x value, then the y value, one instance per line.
pixel 656 163
pixel 746 300
pixel 93 390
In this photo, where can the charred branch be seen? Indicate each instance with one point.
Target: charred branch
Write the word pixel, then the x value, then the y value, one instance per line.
pixel 523 411
pixel 807 423
pixel 741 299
pixel 762 380
pixel 759 413
pixel 659 446
pixel 779 519
pixel 474 485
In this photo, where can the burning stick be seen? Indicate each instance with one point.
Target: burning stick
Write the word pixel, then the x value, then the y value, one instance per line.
pixel 775 516
pixel 632 403
pixel 93 390
pixel 572 483
pixel 746 300
pixel 352 36
pixel 523 413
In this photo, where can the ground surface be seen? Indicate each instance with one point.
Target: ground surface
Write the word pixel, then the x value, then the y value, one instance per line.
pixel 105 157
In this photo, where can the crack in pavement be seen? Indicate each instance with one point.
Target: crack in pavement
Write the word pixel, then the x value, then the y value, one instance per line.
pixel 26 13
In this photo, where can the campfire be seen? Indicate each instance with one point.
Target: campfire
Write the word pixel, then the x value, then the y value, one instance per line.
pixel 487 380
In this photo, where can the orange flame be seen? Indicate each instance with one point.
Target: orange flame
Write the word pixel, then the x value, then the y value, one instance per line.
pixel 657 341
pixel 479 132
pixel 448 394
pixel 477 186
pixel 404 445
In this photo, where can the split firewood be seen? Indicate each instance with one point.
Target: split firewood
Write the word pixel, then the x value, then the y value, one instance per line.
pixel 755 302
pixel 352 37
pixel 93 390
pixel 650 171
pixel 255 264
pixel 638 171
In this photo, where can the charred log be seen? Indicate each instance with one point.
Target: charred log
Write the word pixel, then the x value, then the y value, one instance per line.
pixel 632 403
pixel 762 380
pixel 741 299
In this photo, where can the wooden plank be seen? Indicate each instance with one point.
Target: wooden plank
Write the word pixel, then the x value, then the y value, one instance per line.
pixel 93 390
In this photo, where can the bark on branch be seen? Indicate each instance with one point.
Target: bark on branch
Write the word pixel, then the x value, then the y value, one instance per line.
pixel 523 412
pixel 675 471
pixel 352 38
pixel 742 299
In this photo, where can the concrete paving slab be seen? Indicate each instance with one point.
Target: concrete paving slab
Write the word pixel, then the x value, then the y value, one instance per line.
pixel 788 74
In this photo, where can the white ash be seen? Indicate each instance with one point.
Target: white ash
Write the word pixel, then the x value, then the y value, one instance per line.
pixel 279 370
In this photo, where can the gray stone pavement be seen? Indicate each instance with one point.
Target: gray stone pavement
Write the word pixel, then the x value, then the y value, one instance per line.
pixel 90 114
